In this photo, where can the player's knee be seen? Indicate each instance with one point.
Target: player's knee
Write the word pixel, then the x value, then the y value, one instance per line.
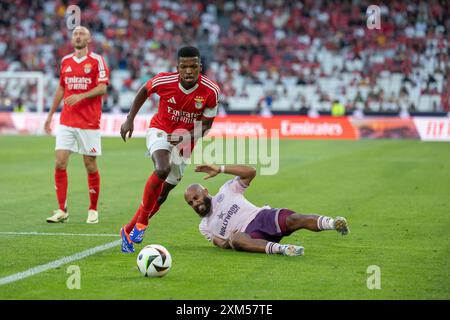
pixel 60 164
pixel 237 242
pixel 90 165
pixel 162 171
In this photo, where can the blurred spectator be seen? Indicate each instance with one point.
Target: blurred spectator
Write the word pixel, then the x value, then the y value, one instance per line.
pixel 337 109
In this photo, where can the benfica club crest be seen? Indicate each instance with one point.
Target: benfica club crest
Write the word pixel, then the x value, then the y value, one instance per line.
pixel 87 68
pixel 199 102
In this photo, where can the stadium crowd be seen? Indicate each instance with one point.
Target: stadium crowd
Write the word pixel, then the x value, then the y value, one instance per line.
pixel 268 56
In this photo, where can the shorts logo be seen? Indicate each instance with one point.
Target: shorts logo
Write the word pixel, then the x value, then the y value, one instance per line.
pixel 159 134
pixel 93 150
pixel 199 102
pixel 87 68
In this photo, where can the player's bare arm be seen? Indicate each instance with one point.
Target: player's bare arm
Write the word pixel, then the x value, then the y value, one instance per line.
pixel 127 127
pixel 246 173
pixel 99 90
pixel 59 94
pixel 222 243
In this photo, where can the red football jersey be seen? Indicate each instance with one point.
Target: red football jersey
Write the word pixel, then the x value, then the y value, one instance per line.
pixel 179 108
pixel 78 76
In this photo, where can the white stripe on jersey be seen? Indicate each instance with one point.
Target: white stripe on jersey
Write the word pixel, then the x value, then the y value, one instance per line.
pixel 211 83
pixel 214 90
pixel 175 76
pixel 101 66
pixel 164 82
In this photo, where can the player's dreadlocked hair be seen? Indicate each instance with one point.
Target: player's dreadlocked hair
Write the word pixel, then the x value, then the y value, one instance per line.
pixel 188 52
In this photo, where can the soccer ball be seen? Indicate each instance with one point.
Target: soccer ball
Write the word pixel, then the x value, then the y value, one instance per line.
pixel 154 261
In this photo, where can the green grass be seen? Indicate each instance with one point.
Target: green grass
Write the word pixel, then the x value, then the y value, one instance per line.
pixel 395 195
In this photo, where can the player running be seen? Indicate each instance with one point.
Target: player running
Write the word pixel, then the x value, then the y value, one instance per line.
pixel 186 96
pixel 83 81
pixel 231 221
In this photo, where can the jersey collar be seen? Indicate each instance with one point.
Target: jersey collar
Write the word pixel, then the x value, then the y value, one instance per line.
pixel 187 91
pixel 79 60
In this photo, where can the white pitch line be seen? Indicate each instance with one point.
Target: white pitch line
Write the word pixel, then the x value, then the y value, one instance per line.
pixel 33 233
pixel 57 263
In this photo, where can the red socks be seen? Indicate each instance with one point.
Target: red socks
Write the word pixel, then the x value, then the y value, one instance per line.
pixel 94 189
pixel 61 187
pixel 154 210
pixel 152 190
pixel 133 221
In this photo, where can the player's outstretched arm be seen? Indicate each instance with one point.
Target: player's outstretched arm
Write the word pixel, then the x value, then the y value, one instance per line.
pixel 128 126
pixel 246 173
pixel 59 94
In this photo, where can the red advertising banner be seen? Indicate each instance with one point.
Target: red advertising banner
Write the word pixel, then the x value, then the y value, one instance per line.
pixel 289 127
pixel 284 127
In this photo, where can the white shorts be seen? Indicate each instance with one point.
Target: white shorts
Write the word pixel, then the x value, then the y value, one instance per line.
pixel 83 141
pixel 156 139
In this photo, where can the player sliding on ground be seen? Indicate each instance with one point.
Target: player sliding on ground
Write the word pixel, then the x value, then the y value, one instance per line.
pixel 186 96
pixel 231 221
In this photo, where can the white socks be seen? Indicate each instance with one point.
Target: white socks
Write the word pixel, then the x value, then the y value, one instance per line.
pixel 325 223
pixel 273 248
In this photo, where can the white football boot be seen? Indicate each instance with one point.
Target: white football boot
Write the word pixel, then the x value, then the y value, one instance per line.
pixel 92 216
pixel 291 250
pixel 58 216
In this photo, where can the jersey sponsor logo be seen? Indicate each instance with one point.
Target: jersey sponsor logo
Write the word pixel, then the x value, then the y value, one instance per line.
pixel 87 68
pixel 183 116
pixel 68 69
pixel 77 83
pixel 233 210
pixel 199 102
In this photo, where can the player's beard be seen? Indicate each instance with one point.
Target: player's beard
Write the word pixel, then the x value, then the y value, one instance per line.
pixel 80 46
pixel 207 204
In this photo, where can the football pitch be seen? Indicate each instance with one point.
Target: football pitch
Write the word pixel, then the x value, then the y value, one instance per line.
pixel 394 194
